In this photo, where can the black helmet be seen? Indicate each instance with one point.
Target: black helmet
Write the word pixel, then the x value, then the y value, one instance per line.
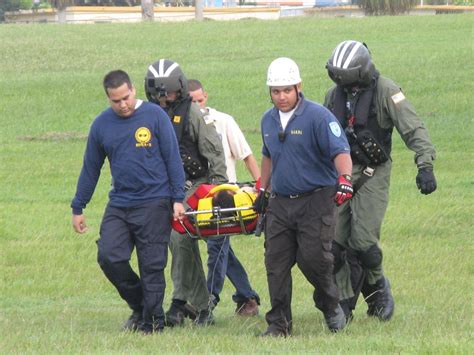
pixel 350 64
pixel 163 76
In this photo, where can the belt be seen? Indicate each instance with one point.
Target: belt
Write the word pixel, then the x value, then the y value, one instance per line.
pixel 299 195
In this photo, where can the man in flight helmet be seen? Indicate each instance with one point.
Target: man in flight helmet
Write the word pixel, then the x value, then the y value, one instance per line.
pixel 368 106
pixel 204 162
pixel 307 165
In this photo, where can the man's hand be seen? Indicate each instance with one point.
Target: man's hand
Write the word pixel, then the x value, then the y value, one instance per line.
pixel 178 211
pixel 425 180
pixel 261 202
pixel 79 223
pixel 344 190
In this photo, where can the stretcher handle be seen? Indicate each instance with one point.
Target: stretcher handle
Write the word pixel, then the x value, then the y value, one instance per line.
pixel 217 210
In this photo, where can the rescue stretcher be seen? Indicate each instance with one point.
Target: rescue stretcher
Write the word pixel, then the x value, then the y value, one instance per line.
pixel 204 219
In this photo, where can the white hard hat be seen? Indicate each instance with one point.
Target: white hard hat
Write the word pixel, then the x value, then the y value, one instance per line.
pixel 282 72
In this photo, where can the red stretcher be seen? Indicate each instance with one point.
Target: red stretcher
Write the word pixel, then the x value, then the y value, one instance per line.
pixel 205 219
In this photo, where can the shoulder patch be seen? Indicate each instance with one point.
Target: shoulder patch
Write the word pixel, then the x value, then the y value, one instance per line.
pixel 335 128
pixel 398 97
pixel 208 119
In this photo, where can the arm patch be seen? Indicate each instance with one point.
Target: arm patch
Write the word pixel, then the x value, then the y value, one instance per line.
pixel 398 97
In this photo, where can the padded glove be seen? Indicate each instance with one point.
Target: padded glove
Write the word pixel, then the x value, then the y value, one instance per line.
pixel 425 181
pixel 261 202
pixel 344 189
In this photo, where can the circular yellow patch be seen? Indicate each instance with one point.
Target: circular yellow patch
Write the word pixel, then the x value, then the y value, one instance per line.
pixel 143 135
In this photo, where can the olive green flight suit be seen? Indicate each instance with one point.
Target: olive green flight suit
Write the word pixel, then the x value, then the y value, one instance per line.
pixel 360 221
pixel 187 272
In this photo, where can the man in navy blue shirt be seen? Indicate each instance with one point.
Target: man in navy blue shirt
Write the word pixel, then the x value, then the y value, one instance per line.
pixel 306 163
pixel 138 140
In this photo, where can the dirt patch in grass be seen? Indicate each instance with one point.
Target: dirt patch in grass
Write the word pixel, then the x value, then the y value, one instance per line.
pixel 55 136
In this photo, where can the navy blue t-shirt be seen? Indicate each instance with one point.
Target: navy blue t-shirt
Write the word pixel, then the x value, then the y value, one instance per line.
pixel 143 155
pixel 303 160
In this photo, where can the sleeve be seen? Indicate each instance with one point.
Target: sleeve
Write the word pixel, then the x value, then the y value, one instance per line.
pixel 409 125
pixel 329 98
pixel 265 151
pixel 170 152
pixel 329 131
pixel 209 145
pixel 94 157
pixel 238 145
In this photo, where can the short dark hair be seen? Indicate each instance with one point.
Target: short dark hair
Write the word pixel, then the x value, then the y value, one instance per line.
pixel 194 84
pixel 224 199
pixel 115 79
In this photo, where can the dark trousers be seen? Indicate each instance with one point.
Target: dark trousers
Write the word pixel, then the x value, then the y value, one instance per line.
pixel 300 231
pixel 146 227
pixel 222 262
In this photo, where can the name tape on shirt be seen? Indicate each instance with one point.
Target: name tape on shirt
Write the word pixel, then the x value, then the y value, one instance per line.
pixel 335 129
pixel 398 97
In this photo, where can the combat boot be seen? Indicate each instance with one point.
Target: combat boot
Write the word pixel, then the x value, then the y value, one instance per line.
pixel 149 329
pixel 133 322
pixel 347 309
pixel 177 312
pixel 270 332
pixel 379 299
pixel 204 318
pixel 337 320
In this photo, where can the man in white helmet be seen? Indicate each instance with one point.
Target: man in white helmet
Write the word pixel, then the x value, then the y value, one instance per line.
pixel 306 162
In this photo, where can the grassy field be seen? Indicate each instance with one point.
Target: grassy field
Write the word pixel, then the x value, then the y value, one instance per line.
pixel 54 298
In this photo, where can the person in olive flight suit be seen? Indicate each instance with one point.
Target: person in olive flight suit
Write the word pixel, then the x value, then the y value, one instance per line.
pixel 203 160
pixel 369 106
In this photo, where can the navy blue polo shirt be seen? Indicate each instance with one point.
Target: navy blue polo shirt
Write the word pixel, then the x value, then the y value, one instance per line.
pixel 303 160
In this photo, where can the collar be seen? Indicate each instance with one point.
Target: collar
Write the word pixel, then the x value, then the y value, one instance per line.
pixel 300 106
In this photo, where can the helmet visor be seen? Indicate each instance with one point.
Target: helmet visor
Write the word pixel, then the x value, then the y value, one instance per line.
pixel 344 77
pixel 156 87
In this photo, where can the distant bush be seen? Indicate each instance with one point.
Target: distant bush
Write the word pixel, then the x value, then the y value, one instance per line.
pixel 449 2
pixel 387 7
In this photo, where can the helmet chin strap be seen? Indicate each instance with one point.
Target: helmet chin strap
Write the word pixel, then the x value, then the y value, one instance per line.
pixel 297 97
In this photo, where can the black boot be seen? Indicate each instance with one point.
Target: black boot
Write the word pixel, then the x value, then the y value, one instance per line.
pixel 133 322
pixel 204 318
pixel 177 312
pixel 379 299
pixel 346 307
pixel 337 320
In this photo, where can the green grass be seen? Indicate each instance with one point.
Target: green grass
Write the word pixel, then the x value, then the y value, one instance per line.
pixel 54 298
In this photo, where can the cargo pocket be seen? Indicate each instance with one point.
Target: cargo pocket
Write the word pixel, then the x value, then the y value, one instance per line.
pixel 328 226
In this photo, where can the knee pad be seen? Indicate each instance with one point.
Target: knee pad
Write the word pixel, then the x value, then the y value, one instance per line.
pixel 339 256
pixel 371 258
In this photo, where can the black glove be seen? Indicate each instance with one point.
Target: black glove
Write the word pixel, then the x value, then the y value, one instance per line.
pixel 261 202
pixel 344 189
pixel 425 180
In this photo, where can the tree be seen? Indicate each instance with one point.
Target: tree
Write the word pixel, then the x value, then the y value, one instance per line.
pixel 148 10
pixel 8 5
pixel 386 7
pixel 60 6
